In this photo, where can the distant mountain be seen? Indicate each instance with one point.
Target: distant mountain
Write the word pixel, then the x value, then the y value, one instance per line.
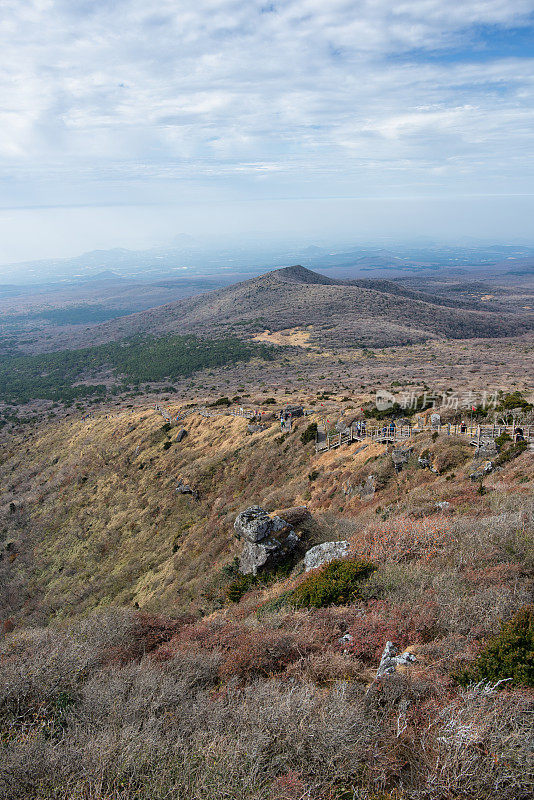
pixel 340 313
pixel 298 274
pixel 105 275
pixel 186 255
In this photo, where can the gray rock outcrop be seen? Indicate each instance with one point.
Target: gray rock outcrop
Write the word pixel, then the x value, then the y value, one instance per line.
pixel 323 553
pixel 253 524
pixel 400 456
pixel 482 471
pixel 182 433
pixel 367 489
pixel 268 540
pixel 184 488
pixel 391 659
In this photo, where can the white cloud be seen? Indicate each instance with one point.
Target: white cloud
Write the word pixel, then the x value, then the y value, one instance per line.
pixel 142 97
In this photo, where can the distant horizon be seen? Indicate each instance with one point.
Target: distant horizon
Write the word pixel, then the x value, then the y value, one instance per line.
pixel 259 241
pixel 143 227
pixel 195 258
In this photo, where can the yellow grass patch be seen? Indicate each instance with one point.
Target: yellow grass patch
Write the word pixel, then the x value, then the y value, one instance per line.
pixel 342 455
pixel 293 336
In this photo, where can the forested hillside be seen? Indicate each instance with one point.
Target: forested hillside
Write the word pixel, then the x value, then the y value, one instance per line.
pixel 70 374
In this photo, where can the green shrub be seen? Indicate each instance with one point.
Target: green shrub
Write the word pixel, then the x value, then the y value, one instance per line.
pixel 515 400
pixel 231 570
pixel 309 434
pixel 335 584
pixel 509 655
pixel 500 440
pixel 240 586
pixel 56 375
pixel 222 401
pixel 272 606
pixel 510 453
pixel 313 475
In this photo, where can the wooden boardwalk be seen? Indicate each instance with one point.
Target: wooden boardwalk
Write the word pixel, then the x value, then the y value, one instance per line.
pixel 478 435
pixel 241 412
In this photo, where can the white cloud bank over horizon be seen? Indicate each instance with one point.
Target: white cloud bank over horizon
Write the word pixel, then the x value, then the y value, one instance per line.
pixel 213 114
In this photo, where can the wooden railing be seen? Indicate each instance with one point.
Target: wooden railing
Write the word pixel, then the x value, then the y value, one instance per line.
pixel 479 434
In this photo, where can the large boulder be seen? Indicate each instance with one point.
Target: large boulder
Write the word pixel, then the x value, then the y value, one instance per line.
pixel 253 524
pixel 265 554
pixel 268 540
pixel 323 553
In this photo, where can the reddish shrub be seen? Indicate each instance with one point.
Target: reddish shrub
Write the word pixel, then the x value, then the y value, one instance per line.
pixel 245 652
pixel 402 624
pixel 267 653
pixel 496 575
pixel 404 539
pixel 288 787
pixel 8 625
pixel 326 667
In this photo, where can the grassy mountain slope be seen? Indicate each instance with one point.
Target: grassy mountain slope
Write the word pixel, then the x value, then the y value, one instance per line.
pixel 90 514
pixel 162 674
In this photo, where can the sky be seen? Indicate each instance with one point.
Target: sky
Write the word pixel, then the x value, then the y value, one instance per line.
pixel 127 122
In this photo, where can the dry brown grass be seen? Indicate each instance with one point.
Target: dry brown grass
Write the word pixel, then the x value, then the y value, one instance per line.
pixel 74 727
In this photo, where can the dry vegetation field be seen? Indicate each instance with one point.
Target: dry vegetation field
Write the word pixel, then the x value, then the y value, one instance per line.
pixel 138 665
pixel 127 672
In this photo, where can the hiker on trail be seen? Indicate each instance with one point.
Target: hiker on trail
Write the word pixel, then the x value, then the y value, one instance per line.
pixel 519 437
pixel 463 427
pixel 392 428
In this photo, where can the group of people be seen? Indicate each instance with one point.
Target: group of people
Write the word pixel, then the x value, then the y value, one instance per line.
pixel 286 421
pixel 389 430
pixel 361 426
